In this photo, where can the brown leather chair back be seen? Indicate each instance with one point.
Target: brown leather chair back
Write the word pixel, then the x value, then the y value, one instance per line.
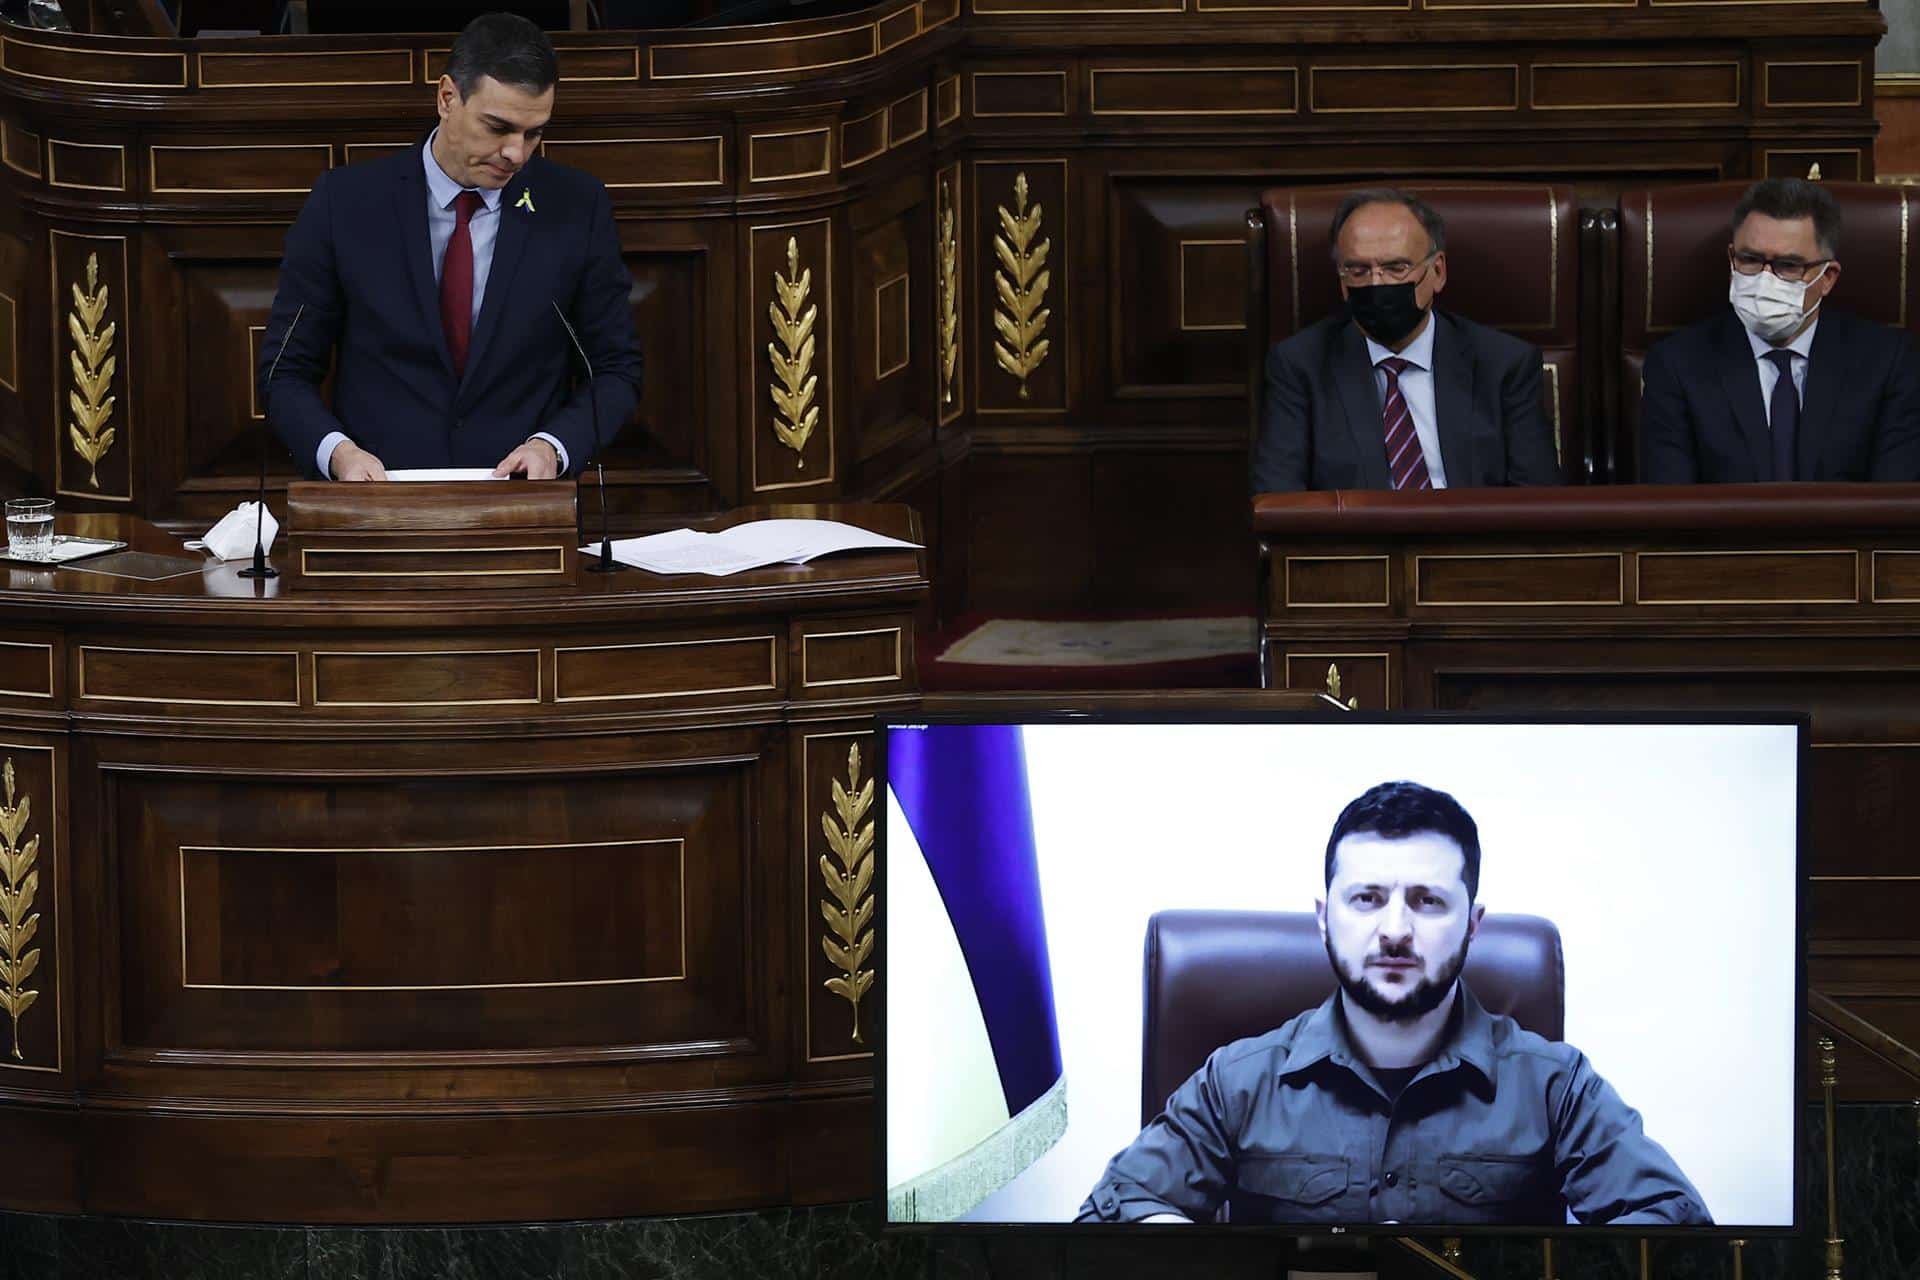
pixel 1673 271
pixel 1513 263
pixel 1213 977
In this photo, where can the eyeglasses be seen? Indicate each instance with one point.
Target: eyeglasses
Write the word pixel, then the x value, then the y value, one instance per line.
pixel 1397 271
pixel 1792 270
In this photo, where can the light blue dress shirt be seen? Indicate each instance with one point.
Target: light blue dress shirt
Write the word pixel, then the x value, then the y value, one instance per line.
pixel 482 230
pixel 1416 388
pixel 1802 348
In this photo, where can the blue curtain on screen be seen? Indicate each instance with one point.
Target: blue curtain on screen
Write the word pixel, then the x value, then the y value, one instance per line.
pixel 963 791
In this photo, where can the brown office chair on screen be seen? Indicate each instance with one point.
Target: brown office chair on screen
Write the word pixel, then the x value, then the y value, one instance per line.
pixel 1673 272
pixel 1213 977
pixel 1514 264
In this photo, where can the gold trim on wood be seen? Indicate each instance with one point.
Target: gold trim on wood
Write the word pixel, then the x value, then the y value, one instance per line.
pixel 313 678
pixel 719 178
pixel 848 160
pixel 1903 260
pixel 906 312
pixel 1533 86
pixel 947 259
pixel 871 29
pixel 948 117
pixel 848 906
pixel 1021 287
pixel 1552 372
pixel 384 148
pixel 679 842
pixel 1201 6
pixel 19 882
pixel 795 414
pixel 921 96
pixel 987 10
pixel 53 790
pixel 826 357
pixel 1286 584
pixel 1766 85
pixel 1873 578
pixel 896 674
pixel 1615 556
pixel 1332 686
pixel 253 362
pixel 880 39
pixel 153 169
pixel 773 670
pixel 1185 327
pixel 1315 109
pixel 806 901
pixel 294 655
pixel 826 166
pixel 12 383
pixel 633 55
pixel 7 45
pixel 92 364
pixel 74 365
pixel 1678 555
pixel 1293 256
pixel 54 146
pixel 1093 92
pixel 1813 170
pixel 7 130
pixel 308 553
pixel 31 693
pixel 974 84
pixel 205 58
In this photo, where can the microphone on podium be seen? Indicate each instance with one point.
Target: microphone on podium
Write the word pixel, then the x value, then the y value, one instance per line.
pixel 260 568
pixel 606 563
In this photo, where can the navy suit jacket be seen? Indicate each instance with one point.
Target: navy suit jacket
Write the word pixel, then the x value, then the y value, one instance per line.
pixel 1702 421
pixel 359 260
pixel 1320 424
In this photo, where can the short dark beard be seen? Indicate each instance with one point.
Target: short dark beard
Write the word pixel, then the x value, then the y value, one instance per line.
pixel 1423 998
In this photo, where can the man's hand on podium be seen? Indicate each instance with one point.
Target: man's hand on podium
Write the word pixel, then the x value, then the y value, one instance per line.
pixel 536 457
pixel 351 462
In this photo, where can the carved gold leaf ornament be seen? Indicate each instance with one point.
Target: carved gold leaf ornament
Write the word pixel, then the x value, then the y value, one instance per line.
pixel 1021 283
pixel 92 363
pixel 848 907
pixel 949 297
pixel 792 354
pixel 19 882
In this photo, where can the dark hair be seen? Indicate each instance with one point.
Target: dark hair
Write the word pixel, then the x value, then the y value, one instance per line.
pixel 1397 810
pixel 1435 225
pixel 507 47
pixel 1790 198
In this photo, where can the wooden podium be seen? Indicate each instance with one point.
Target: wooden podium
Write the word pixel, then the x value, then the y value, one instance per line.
pixel 1796 597
pixel 484 905
pixel 494 534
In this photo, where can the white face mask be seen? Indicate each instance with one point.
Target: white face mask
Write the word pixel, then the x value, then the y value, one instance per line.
pixel 1770 308
pixel 232 537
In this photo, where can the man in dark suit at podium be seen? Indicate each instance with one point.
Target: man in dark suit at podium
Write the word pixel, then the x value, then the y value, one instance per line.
pixel 1779 385
pixel 429 281
pixel 1390 393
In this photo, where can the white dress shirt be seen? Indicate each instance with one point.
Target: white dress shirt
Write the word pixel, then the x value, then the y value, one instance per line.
pixel 1802 348
pixel 483 228
pixel 1416 388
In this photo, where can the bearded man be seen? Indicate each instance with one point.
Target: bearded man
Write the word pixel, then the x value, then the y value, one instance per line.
pixel 1401 1098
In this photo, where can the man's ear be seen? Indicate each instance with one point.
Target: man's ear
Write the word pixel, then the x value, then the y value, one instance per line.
pixel 1320 916
pixel 445 96
pixel 1474 917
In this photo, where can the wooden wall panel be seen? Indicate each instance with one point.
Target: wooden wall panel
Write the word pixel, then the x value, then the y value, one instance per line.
pixel 794 288
pixel 1177 282
pixel 93 366
pixel 225 319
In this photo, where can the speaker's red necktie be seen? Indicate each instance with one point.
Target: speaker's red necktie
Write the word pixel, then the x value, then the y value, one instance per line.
pixel 456 282
pixel 1406 462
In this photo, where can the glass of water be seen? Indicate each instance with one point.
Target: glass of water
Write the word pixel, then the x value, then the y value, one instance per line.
pixel 30 528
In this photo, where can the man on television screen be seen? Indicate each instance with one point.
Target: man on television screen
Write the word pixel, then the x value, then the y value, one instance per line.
pixel 1399 1099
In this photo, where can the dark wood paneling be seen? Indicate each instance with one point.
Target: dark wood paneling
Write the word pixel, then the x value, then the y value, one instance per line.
pixel 1178 280
pixel 871 654
pixel 1753 577
pixel 783 157
pixel 214 677
pixel 668 669
pixel 26 668
pixel 1657 83
pixel 94 68
pixel 1543 580
pixel 286 69
pixel 437 678
pixel 691 60
pixel 1195 91
pixel 1836 164
pixel 1801 83
pixel 1365 677
pixel 646 163
pixel 1311 582
pixel 1413 87
pixel 1019 93
pixel 86 166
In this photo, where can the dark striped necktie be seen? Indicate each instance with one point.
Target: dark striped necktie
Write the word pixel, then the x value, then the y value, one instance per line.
pixel 1406 462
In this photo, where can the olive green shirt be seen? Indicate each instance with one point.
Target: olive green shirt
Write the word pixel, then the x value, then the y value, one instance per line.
pixel 1501 1127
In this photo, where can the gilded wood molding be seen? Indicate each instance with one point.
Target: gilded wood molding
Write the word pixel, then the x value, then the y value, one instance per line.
pixel 19 882
pixel 92 363
pixel 792 352
pixel 848 873
pixel 948 256
pixel 1021 284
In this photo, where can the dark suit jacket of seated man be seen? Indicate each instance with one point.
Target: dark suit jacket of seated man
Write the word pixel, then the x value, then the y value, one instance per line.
pixel 1713 392
pixel 360 259
pixel 1321 421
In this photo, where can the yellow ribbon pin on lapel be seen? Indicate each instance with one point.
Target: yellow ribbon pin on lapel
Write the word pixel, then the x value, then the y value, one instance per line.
pixel 525 201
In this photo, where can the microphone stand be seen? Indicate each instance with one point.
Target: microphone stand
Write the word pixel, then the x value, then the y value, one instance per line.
pixel 606 563
pixel 260 568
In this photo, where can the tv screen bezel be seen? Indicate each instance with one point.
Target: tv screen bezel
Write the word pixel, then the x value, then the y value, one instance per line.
pixel 1246 708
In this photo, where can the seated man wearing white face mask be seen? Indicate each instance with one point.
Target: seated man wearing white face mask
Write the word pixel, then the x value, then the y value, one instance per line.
pixel 1782 385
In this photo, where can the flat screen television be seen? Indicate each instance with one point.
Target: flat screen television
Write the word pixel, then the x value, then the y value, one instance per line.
pixel 1329 973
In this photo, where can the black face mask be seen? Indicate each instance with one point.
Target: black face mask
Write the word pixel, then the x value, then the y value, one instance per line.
pixel 1388 312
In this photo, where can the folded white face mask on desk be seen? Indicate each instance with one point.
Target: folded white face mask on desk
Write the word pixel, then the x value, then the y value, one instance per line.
pixel 232 537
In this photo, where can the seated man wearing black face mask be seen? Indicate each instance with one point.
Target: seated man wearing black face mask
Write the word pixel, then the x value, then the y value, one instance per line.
pixel 1388 393
pixel 1780 386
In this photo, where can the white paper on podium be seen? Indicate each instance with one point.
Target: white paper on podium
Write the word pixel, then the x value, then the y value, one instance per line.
pixel 745 546
pixel 444 473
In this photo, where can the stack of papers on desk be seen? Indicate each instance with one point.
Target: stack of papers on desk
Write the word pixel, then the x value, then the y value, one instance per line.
pixel 745 546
